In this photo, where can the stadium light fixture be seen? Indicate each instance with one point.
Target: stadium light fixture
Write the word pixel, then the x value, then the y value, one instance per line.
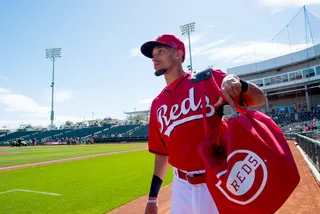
pixel 52 54
pixel 187 29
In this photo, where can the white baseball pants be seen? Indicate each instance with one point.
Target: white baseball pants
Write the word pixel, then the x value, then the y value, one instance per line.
pixel 191 199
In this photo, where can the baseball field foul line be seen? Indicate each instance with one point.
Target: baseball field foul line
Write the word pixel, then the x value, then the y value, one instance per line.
pixel 67 159
pixel 13 190
pixel 31 191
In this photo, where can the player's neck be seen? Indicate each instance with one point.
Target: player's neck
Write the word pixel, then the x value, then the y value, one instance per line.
pixel 173 74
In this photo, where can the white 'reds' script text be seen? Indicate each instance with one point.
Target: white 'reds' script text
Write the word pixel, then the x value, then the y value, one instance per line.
pixel 177 110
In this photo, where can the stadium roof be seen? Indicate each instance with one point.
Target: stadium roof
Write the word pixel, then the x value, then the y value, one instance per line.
pixel 278 62
pixel 138 112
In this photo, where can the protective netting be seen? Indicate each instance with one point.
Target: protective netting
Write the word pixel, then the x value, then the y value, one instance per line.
pixel 293 94
pixel 302 32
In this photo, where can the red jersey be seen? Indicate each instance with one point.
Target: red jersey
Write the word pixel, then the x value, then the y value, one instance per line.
pixel 176 125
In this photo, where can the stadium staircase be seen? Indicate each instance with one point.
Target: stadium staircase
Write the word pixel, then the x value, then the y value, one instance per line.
pixel 81 132
pixel 116 130
pixel 141 131
pixel 46 134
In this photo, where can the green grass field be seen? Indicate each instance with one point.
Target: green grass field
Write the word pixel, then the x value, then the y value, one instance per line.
pixel 94 185
pixel 23 155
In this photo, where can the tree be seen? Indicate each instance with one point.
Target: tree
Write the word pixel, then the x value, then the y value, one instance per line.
pixel 25 127
pixel 39 127
pixel 69 123
pixel 29 126
pixel 136 117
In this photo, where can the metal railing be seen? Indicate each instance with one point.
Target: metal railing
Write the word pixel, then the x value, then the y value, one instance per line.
pixel 290 136
pixel 311 147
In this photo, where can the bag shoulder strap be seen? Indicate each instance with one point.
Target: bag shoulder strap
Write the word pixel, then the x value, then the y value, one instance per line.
pixel 204 109
pixel 198 76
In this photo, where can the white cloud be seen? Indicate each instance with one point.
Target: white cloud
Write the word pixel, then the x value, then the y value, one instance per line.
pixel 26 107
pixel 193 39
pixel 207 48
pixel 24 104
pixel 147 100
pixel 288 3
pixel 277 10
pixel 135 52
pixel 71 118
pixel 18 122
pixel 4 90
pixel 59 95
pixel 59 120
pixel 62 96
pixel 246 52
pixel 21 103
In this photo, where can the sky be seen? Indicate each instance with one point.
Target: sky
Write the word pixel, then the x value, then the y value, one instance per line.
pixel 101 72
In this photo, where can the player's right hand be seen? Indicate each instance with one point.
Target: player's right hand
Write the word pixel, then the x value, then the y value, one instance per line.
pixel 152 208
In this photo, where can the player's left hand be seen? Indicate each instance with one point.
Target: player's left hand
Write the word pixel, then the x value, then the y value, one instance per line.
pixel 230 88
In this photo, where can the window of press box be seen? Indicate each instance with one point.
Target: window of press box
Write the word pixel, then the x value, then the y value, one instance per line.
pixel 318 70
pixel 284 78
pixel 309 72
pixel 267 81
pixel 298 75
pixel 292 76
pixel 312 73
pixel 259 83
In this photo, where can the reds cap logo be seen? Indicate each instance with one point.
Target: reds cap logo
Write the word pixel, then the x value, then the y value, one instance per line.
pixel 246 179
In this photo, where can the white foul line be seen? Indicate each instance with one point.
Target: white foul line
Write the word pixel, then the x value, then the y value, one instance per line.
pixel 32 191
pixel 13 190
pixel 44 193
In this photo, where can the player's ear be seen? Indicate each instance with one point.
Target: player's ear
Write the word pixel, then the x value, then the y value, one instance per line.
pixel 179 55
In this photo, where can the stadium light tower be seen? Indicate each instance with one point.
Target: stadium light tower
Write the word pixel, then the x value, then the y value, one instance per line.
pixel 188 29
pixel 52 54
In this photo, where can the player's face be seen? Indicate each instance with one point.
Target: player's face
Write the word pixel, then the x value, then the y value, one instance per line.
pixel 163 58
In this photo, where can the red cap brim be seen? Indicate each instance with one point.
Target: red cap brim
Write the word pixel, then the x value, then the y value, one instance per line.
pixel 147 48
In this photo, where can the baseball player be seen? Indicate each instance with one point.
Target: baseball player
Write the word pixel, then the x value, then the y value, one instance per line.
pixel 176 124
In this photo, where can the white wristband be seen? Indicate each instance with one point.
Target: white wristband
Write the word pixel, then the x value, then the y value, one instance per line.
pixel 153 201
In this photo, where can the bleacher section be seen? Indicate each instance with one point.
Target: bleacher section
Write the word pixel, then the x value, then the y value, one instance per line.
pixel 289 122
pixel 82 132
pixel 79 133
pixel 46 134
pixel 141 132
pixel 117 130
pixel 307 116
pixel 14 135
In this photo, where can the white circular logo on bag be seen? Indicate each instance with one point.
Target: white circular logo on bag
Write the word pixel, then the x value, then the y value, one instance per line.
pixel 247 178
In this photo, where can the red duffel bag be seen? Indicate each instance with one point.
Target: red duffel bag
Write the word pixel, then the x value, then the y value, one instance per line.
pixel 249 165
